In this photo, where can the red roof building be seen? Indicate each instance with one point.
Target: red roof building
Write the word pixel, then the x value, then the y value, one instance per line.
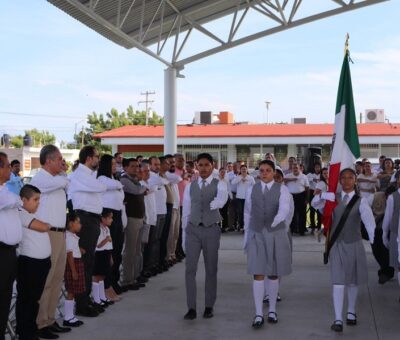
pixel 248 142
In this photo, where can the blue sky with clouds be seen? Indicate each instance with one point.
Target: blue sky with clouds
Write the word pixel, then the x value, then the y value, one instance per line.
pixel 53 65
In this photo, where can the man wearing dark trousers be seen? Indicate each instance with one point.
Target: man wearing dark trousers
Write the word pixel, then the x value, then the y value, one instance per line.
pixel 86 193
pixel 10 236
pixel 298 186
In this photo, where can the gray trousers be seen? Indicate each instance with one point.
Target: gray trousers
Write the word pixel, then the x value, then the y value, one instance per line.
pixel 132 257
pixel 197 239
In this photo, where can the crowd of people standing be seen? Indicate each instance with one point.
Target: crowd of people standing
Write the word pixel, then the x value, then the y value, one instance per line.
pixel 111 223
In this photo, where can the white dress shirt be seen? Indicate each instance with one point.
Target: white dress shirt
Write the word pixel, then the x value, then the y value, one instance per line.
pixel 86 191
pixel 316 203
pixel 34 244
pixel 243 185
pixel 113 197
pixel 174 179
pixel 160 193
pixel 387 219
pixel 231 177
pixel 299 185
pixel 365 212
pixel 150 204
pixel 284 209
pixel 104 233
pixel 313 179
pixel 53 199
pixel 72 244
pixel 217 203
pixel 10 223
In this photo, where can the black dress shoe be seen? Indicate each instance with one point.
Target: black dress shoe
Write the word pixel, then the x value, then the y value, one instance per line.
pixel 351 322
pixel 208 313
pixel 337 326
pixel 70 323
pixel 56 328
pixel 258 321
pixel 46 333
pixel 190 315
pixel 142 279
pixel 133 286
pixel 98 307
pixel 88 311
pixel 119 290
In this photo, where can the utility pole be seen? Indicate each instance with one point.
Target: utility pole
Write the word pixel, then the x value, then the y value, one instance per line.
pixel 147 101
pixel 267 104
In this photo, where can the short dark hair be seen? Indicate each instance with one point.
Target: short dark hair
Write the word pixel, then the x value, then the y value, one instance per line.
pixel 117 154
pixel 205 155
pixel 268 162
pixel 127 161
pixel 3 157
pixel 105 166
pixel 151 159
pixel 190 163
pixel 243 166
pixel 28 190
pixel 348 170
pixel 139 156
pixel 46 152
pixel 86 151
pixel 162 159
pixel 106 212
pixel 15 161
pixel 72 216
pixel 168 155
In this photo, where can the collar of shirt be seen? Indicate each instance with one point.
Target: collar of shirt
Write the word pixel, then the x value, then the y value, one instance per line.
pixel 268 185
pixel 84 168
pixel 350 194
pixel 208 180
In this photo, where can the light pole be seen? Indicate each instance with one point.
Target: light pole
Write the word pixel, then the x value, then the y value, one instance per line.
pixel 76 126
pixel 267 104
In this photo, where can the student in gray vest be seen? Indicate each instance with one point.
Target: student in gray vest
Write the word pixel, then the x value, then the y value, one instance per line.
pixel 202 200
pixel 348 261
pixel 390 227
pixel 266 242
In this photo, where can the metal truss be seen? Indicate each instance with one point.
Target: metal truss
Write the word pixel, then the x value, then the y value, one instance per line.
pixel 163 28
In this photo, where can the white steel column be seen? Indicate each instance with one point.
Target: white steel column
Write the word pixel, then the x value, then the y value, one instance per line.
pixel 170 128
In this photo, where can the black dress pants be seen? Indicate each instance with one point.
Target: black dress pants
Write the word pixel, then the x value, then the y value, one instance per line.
pixel 165 234
pixel 8 270
pixel 117 236
pixel 298 224
pixel 179 248
pixel 31 278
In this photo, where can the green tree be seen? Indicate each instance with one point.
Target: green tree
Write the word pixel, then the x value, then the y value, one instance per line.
pixel 39 138
pixel 111 120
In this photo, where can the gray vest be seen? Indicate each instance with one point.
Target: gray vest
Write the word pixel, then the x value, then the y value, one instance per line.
pixel 264 207
pixel 351 231
pixel 200 212
pixel 394 222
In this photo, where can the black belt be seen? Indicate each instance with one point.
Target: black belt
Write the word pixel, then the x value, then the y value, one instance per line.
pixel 84 212
pixel 8 246
pixel 59 230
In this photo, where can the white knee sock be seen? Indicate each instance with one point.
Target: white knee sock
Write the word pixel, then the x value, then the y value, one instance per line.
pixel 352 292
pixel 69 309
pixel 338 297
pixel 266 287
pixel 96 292
pixel 273 294
pixel 102 292
pixel 258 294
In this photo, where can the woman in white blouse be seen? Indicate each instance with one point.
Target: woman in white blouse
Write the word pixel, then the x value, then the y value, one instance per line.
pixel 113 199
pixel 367 183
pixel 243 181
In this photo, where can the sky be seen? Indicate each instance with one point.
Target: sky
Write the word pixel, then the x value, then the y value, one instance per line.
pixel 54 70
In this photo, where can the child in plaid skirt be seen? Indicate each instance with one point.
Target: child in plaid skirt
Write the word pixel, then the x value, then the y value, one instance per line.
pixel 74 276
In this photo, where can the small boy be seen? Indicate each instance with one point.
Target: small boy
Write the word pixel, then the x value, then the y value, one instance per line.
pixel 33 263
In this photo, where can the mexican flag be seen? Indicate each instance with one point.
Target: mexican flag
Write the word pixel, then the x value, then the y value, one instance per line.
pixel 346 148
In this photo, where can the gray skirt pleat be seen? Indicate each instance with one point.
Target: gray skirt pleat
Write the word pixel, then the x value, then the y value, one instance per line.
pixel 269 253
pixel 348 263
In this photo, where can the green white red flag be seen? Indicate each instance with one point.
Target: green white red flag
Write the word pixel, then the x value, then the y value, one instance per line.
pixel 346 147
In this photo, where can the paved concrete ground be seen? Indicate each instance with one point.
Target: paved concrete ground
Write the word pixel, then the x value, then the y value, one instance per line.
pixel 305 312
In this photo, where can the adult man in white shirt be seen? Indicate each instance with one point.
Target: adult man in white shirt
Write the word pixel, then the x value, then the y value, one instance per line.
pixel 53 201
pixel 10 236
pixel 86 191
pixel 298 186
pixel 200 217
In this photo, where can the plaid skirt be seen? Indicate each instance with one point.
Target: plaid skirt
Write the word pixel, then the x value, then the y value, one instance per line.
pixel 75 286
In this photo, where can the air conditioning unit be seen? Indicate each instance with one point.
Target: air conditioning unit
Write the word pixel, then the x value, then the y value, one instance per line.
pixel 203 117
pixel 375 116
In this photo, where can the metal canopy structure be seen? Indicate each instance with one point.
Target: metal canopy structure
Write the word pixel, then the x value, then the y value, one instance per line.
pixel 164 29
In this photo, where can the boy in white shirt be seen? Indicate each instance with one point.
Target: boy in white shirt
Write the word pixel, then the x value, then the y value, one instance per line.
pixel 33 263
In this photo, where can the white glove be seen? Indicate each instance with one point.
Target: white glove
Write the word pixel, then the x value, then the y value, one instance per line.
pixel 213 205
pixel 385 239
pixel 328 196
